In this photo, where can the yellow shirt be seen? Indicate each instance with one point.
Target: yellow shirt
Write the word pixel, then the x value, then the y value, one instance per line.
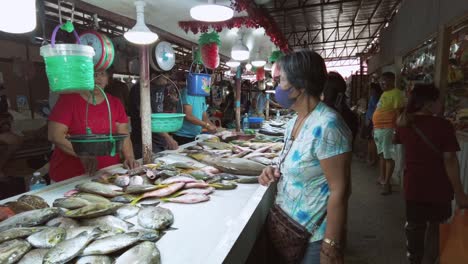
pixel 387 108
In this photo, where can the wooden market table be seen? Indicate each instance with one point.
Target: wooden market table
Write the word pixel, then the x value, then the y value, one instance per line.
pixel 222 230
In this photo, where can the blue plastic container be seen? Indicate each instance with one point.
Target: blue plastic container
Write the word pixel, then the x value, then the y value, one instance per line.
pixel 255 120
pixel 198 84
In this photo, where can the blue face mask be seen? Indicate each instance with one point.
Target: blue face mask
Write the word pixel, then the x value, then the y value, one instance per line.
pixel 282 97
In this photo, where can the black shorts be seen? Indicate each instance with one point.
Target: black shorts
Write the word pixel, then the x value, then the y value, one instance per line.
pixel 428 212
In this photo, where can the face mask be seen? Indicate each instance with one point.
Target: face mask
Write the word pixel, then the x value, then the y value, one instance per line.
pixel 282 97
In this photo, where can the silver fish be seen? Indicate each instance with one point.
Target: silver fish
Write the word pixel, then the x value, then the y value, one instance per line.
pixel 70 202
pixel 95 259
pixel 93 210
pixel 149 234
pixel 175 179
pixel 13 250
pixel 48 237
pixel 127 198
pixel 155 218
pixel 75 231
pixel 122 180
pixel 232 165
pixel 144 253
pixel 68 249
pixel 188 198
pixel 262 160
pixel 92 198
pixel 204 191
pixel 63 222
pixel 18 232
pixel 105 190
pixel 111 244
pixel 135 189
pixel 109 222
pixel 29 218
pixel 127 211
pixel 35 256
pixel 136 180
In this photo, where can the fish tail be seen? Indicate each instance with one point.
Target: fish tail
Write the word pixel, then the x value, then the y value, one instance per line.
pixel 136 200
pixel 166 200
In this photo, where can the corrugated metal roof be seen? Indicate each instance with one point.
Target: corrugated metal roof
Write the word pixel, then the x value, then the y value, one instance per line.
pixel 337 29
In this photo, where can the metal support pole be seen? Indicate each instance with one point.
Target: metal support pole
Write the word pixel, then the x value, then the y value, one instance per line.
pixel 238 98
pixel 145 106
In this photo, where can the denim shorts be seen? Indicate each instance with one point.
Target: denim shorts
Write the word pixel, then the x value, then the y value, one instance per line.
pixel 312 255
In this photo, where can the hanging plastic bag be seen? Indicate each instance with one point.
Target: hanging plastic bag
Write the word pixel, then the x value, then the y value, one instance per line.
pixel 454 239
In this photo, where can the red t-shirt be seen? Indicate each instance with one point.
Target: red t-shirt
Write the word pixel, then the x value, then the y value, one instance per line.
pixel 425 178
pixel 70 110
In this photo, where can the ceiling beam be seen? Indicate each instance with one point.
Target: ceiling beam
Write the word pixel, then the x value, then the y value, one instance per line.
pixel 295 8
pixel 341 26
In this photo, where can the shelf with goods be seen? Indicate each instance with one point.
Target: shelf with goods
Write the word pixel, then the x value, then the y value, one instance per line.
pixel 456 104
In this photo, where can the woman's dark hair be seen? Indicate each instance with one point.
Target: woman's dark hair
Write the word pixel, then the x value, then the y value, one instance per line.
pixel 419 96
pixel 375 89
pixel 334 91
pixel 305 70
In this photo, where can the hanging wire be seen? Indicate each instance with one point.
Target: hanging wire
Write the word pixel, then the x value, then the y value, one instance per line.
pixel 59 7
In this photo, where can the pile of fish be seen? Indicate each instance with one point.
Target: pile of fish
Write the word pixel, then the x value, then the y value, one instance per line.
pixel 83 228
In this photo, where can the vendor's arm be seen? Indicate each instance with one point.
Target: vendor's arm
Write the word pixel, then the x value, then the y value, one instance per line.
pixel 208 124
pixel 336 170
pixel 127 148
pixel 56 134
pixel 171 144
pixel 192 119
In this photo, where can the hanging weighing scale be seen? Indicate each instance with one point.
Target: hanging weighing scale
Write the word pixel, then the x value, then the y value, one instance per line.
pixel 162 56
pixel 103 47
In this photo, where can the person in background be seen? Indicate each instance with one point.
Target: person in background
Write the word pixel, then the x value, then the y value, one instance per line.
pixel 118 89
pixel 388 107
pixel 228 106
pixel 161 141
pixel 313 172
pixel 196 118
pixel 69 118
pixel 260 103
pixel 432 174
pixel 374 95
pixel 334 96
pixel 9 140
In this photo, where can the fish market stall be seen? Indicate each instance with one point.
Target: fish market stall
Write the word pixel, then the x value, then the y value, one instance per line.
pixel 222 230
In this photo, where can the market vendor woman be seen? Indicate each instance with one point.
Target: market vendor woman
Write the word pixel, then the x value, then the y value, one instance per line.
pixel 69 118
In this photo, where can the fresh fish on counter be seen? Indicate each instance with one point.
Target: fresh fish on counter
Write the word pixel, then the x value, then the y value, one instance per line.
pixel 247 179
pixel 93 210
pixel 98 188
pixel 71 193
pixel 127 198
pixel 92 198
pixel 108 222
pixel 262 160
pixel 64 222
pixel 167 173
pixel 18 232
pixel 48 237
pixel 180 178
pixel 75 231
pixel 19 207
pixel 111 244
pixel 34 201
pixel 169 159
pixel 188 198
pixel 227 176
pixel 232 165
pixel 149 234
pixel 5 212
pixel 224 185
pixel 68 249
pixel 35 256
pixel 137 189
pixel 163 192
pixel 95 259
pixel 122 180
pixel 136 180
pixel 200 184
pixel 210 170
pixel 204 191
pixel 155 218
pixel 144 253
pixel 13 250
pixel 200 175
pixel 127 211
pixel 70 203
pixel 216 145
pixel 216 178
pixel 29 218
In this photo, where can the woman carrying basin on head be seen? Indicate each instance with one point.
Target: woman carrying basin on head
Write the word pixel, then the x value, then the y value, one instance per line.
pixel 69 118
pixel 313 170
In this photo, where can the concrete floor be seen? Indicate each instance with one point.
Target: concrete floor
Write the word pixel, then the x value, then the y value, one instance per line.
pixel 375 225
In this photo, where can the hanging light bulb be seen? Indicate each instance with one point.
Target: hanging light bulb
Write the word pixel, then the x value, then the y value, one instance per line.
pixel 211 12
pixel 248 66
pixel 233 63
pixel 140 33
pixel 268 66
pixel 258 63
pixel 239 51
pixel 18 16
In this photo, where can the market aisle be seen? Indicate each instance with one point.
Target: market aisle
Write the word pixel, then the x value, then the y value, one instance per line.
pixel 375 226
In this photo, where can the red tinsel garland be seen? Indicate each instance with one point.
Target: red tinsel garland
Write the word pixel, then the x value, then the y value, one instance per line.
pixel 258 17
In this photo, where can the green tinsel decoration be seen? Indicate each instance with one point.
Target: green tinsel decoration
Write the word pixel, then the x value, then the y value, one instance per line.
pixel 275 56
pixel 207 38
pixel 197 56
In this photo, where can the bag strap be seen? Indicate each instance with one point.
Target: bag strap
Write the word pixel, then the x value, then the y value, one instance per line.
pixel 426 139
pixel 318 223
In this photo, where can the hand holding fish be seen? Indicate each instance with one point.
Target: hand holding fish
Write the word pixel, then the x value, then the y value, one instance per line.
pixel 269 174
pixel 131 163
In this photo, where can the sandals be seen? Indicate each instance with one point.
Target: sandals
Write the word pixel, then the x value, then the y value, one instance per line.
pixel 386 189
